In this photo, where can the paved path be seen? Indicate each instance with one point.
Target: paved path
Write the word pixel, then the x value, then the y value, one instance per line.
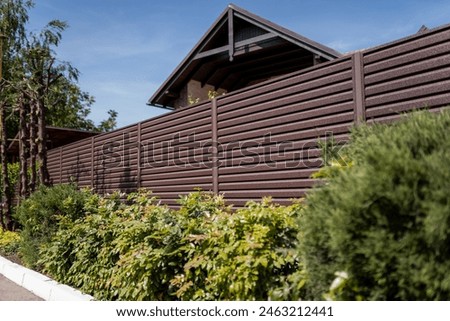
pixel 19 283
pixel 9 291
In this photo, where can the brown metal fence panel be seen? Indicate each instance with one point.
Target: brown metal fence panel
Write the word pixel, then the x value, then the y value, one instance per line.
pixel 54 164
pixel 176 152
pixel 263 140
pixel 76 163
pixel 115 161
pixel 406 75
pixel 268 135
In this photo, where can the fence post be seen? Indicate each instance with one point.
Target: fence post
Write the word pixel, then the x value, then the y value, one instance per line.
pixel 215 169
pixel 60 164
pixel 92 162
pixel 358 88
pixel 138 174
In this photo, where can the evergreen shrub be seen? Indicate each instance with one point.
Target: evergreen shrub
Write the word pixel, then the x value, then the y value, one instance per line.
pixel 383 223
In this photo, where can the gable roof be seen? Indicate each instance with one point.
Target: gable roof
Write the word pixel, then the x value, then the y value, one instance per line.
pixel 237 32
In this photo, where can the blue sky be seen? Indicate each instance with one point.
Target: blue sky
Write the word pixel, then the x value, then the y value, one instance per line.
pixel 126 48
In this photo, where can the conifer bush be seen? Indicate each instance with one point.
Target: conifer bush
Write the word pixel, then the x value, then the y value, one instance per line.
pixel 384 221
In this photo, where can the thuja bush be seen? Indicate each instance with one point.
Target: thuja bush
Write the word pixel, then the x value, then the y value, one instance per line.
pixel 142 250
pixel 383 223
pixel 40 214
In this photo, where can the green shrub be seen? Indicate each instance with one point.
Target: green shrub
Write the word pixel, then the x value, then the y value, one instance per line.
pixel 40 214
pixel 157 253
pixel 144 251
pixel 9 242
pixel 201 204
pixel 126 251
pixel 82 252
pixel 245 255
pixel 385 220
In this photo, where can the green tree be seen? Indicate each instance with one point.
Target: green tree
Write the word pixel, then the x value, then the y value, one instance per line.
pixel 70 106
pixel 13 16
pixel 37 90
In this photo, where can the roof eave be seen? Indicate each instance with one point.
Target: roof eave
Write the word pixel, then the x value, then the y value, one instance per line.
pixel 287 34
pixel 283 33
pixel 179 69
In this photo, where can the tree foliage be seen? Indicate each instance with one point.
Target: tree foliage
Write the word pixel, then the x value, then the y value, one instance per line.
pixel 37 90
pixel 68 105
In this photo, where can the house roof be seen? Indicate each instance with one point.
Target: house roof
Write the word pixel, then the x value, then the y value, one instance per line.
pixel 56 137
pixel 240 47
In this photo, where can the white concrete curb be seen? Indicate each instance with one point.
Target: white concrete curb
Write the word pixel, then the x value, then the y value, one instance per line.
pixel 40 284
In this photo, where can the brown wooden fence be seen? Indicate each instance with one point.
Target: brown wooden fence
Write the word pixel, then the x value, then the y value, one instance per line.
pixel 263 140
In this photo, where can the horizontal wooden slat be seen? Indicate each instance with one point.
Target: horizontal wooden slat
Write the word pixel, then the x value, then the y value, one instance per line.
pixel 257 194
pixel 199 126
pixel 268 176
pixel 267 184
pixel 179 181
pixel 297 127
pixel 158 174
pixel 186 114
pixel 249 163
pixel 294 118
pixel 401 107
